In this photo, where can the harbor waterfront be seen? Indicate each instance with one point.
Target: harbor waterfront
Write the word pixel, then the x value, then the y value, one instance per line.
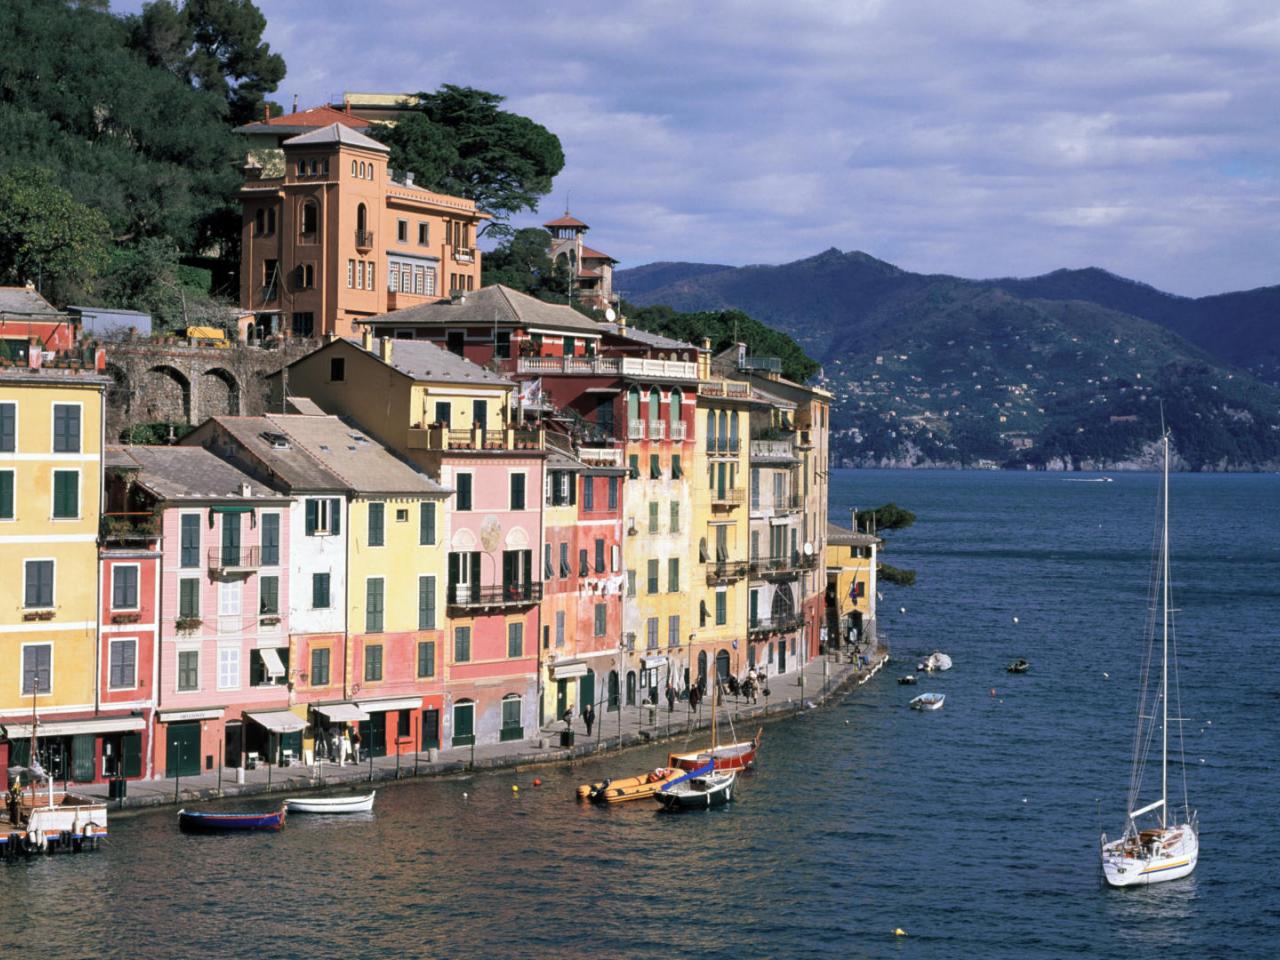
pixel 974 829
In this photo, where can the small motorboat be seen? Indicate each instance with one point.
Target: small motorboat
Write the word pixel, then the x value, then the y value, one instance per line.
pixel 698 789
pixel 908 681
pixel 935 661
pixel 639 787
pixel 357 804
pixel 1018 666
pixel 728 756
pixel 929 701
pixel 196 821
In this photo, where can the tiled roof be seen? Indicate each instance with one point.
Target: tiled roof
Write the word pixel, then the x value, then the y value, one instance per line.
pixel 646 337
pixel 507 306
pixel 844 537
pixel 26 304
pixel 192 473
pixel 423 360
pixel 590 254
pixel 304 120
pixel 336 133
pixel 566 221
pixel 268 442
pixel 363 464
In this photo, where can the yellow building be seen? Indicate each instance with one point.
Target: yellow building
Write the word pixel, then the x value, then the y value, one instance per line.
pixel 851 588
pixel 51 425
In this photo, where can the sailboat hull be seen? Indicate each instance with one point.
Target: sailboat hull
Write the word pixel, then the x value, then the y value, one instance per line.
pixel 1152 857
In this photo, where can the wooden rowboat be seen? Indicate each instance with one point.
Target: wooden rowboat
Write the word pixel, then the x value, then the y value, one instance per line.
pixel 639 787
pixel 727 756
pixel 929 701
pixel 196 821
pixel 357 804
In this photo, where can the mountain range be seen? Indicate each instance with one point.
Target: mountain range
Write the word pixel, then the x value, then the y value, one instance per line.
pixel 1068 370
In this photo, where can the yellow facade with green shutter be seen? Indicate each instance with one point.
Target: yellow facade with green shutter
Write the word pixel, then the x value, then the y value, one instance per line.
pixel 51 424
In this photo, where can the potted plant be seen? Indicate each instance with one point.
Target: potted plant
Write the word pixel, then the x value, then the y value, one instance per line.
pixel 187 624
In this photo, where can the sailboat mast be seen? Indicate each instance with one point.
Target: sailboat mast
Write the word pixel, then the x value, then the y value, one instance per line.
pixel 1164 675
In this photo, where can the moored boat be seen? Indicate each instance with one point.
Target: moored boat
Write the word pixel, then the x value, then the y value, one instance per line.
pixel 698 789
pixel 197 821
pixel 727 756
pixel 1018 666
pixel 928 701
pixel 908 681
pixel 935 661
pixel 357 804
pixel 640 787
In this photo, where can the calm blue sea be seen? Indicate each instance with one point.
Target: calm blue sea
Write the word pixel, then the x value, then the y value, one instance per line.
pixel 975 828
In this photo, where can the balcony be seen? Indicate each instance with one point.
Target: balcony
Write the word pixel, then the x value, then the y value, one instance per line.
pixel 725 388
pixel 773 451
pixel 585 366
pixel 128 526
pixel 792 503
pixel 678 431
pixel 635 429
pixel 224 560
pixel 782 566
pixel 781 624
pixel 464 255
pixel 441 437
pixel 659 369
pixel 722 447
pixel 364 240
pixel 495 597
pixel 601 456
pixel 657 429
pixel 725 571
pixel 732 497
pixel 761 364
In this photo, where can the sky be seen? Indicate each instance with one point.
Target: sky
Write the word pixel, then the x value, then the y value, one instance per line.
pixel 981 138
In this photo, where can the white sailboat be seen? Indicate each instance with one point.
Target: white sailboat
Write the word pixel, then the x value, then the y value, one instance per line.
pixel 1159 847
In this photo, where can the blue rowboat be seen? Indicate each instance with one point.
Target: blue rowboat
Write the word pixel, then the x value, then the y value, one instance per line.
pixel 198 822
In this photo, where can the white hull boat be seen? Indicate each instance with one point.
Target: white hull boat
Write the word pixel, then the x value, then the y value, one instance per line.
pixel 929 701
pixel 935 661
pixel 1156 848
pixel 359 804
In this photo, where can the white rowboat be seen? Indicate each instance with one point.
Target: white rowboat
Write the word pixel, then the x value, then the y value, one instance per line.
pixel 358 804
pixel 929 701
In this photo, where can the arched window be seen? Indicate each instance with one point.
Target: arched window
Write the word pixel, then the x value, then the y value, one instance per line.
pixel 733 431
pixel 464 723
pixel 355 167
pixel 512 726
pixel 310 217
pixel 722 665
pixel 783 603
pixel 724 431
pixel 633 405
pixel 702 668
pixel 655 405
pixel 362 219
pixel 674 405
pixel 711 431
pixel 361 169
pixel 631 688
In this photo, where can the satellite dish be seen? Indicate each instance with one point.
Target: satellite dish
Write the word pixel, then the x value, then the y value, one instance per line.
pixel 610 314
pixel 808 549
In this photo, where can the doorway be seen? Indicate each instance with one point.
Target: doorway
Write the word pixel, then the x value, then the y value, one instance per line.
pixel 182 749
pixel 431 729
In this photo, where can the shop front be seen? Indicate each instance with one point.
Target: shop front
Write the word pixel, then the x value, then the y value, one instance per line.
pixel 91 750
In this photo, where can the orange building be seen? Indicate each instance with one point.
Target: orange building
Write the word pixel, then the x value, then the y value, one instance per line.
pixel 592 270
pixel 335 239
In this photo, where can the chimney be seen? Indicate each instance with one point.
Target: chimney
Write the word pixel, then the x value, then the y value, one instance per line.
pixel 408 178
pixel 295 103
pixel 100 359
pixel 742 354
pixel 704 359
pixel 245 489
pixel 366 339
pixel 384 349
pixel 34 357
pixel 853 519
pixel 266 112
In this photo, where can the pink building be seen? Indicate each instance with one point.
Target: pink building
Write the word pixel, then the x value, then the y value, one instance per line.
pixel 222 671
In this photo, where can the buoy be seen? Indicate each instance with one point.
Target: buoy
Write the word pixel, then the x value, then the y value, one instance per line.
pixel 515 788
pixel 902 609
pixel 464 794
pixel 899 932
pixel 537 781
pixel 1015 619
pixel 993 691
pixel 1105 675
pixel 1024 799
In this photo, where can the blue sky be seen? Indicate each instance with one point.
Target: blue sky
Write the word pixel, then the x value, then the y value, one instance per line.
pixel 983 138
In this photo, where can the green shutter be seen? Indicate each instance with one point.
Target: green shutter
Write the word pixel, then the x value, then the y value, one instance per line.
pixel 66 493
pixel 313 516
pixel 335 515
pixel 377 516
pixel 6 494
pixel 8 427
pixel 427 523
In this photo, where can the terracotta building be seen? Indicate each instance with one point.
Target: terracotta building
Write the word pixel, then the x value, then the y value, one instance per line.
pixel 335 239
pixel 592 270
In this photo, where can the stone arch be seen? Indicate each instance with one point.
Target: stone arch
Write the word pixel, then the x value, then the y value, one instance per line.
pixel 517 538
pixel 168 393
pixel 219 394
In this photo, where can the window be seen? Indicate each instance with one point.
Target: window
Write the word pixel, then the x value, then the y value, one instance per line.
pixel 6 495
pixel 359 274
pixel 464 492
pixel 427 523
pixel 711 431
pixel 66 428
pixel 122 658
pixel 601 619
pixel 8 427
pixel 373 663
pixel 259 223
pixel 124 587
pixel 651 633
pixel 755 488
pixel 755 544
pixel 424 233
pixel 320 667
pixel 515 640
pixel 615 557
pixel 320 591
pixel 305 276
pixel 426 658
pixel 673 575
pixel 426 603
pixel 66 494
pixel 613 493
pixel 271 539
pixel 655 467
pixel 402 231
pixel 310 217
pixel 548 569
pixel 269 596
pixel 675 516
pixel 303 324
pixel 673 631
pixel 337 369
pixel 653 576
pixel 512 728
pixel 722 608
pixel 633 466
pixel 188 598
pixel 565 569
pixel 377 522
pixel 188 670
pixel 502 344
pixel 229 594
pixel 37 668
pixel 653 516
pixel 461 644
pixel 464 720
pixel 323 516
pixel 190 539
pixel 38 575
pixel 560 621
pixel 631 583
pixel 517 491
pixel 373 588
pixel 588 494
pixel 600 555
pixel 677 471
pixel 351 274
pixel 228 668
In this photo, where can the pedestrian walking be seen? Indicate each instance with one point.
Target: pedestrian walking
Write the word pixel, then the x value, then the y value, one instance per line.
pixel 671 698
pixel 355 744
pixel 588 717
pixel 695 697
pixel 568 718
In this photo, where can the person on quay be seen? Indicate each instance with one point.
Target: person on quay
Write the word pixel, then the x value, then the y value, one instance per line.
pixel 355 744
pixel 588 717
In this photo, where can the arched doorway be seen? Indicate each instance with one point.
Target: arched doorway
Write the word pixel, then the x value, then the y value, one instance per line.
pixel 702 668
pixel 613 690
pixel 631 688
pixel 722 665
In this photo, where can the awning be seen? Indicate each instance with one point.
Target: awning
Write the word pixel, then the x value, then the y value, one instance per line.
pixel 567 671
pixel 402 703
pixel 173 716
pixel 69 728
pixel 652 662
pixel 342 712
pixel 271 660
pixel 279 721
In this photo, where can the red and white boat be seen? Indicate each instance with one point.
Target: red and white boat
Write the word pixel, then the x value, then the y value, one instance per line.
pixel 727 756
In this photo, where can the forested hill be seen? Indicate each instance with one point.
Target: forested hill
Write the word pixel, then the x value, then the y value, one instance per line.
pixel 1065 370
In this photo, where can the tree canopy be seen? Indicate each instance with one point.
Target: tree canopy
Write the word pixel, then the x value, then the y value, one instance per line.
pixel 458 141
pixel 522 262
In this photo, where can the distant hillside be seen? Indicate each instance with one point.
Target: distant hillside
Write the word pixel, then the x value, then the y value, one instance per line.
pixel 1066 370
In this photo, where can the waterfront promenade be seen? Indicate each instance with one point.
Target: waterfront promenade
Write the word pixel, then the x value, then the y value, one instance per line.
pixel 818 681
